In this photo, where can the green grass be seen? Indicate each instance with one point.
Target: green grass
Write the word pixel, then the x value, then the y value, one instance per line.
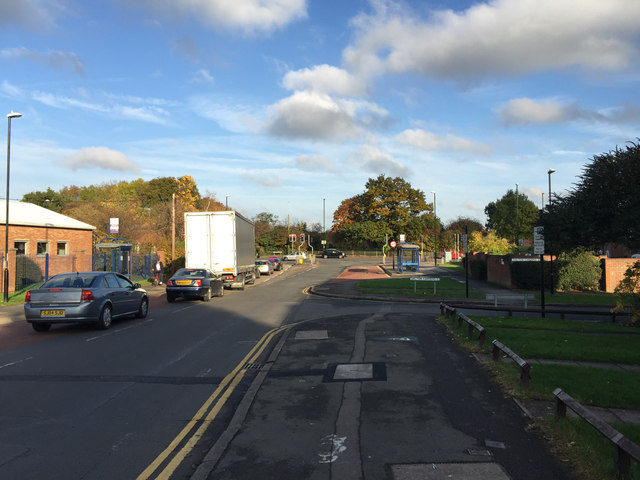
pixel 590 386
pixel 589 453
pixel 446 287
pixel 573 440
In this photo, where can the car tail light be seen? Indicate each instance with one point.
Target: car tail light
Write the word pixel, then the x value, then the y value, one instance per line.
pixel 170 283
pixel 198 283
pixel 86 296
pixel 27 297
pixel 55 290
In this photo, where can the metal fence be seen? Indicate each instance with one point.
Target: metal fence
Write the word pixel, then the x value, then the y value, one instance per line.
pixel 32 269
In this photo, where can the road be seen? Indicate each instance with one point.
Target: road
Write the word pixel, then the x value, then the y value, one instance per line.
pixel 81 403
pixel 150 398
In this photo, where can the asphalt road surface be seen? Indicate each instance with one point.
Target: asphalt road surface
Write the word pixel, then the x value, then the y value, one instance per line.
pixel 150 398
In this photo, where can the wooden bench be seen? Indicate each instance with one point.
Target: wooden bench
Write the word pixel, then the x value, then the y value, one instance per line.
pixel 525 368
pixel 525 297
pixel 625 449
pixel 473 325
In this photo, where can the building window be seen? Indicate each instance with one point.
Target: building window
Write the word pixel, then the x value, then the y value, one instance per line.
pixel 42 248
pixel 62 248
pixel 21 247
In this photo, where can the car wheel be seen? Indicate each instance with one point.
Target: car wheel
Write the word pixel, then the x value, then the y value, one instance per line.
pixel 104 320
pixel 171 299
pixel 143 310
pixel 324 256
pixel 41 327
pixel 221 291
pixel 207 296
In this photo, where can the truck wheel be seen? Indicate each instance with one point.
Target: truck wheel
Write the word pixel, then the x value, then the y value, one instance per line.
pixel 221 291
pixel 242 283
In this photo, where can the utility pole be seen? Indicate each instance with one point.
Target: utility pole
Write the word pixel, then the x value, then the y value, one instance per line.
pixel 173 227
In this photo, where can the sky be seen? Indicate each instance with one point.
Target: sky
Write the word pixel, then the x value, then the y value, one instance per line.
pixel 290 106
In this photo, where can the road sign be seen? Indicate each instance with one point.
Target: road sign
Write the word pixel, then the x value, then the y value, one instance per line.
pixel 538 240
pixel 465 243
pixel 393 244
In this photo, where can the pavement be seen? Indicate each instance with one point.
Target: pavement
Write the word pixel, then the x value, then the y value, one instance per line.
pixel 385 395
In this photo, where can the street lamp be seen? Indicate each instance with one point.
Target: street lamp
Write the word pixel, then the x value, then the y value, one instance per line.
pixel 6 224
pixel 226 202
pixel 435 231
pixel 551 287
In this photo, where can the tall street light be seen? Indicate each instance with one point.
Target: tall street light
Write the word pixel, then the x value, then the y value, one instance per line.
pixel 6 224
pixel 551 287
pixel 226 202
pixel 435 231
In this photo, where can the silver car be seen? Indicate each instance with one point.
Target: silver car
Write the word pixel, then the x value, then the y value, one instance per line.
pixel 85 297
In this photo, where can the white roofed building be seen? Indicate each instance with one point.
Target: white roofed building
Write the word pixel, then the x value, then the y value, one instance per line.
pixel 43 243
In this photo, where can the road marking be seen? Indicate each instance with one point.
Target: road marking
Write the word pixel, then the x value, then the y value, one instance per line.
pixel 116 330
pixel 221 394
pixel 16 362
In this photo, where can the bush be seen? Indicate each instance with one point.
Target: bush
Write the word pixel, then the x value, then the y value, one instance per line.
pixel 478 269
pixel 579 270
pixel 526 275
pixel 628 293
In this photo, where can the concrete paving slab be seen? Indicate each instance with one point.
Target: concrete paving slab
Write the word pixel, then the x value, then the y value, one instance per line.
pixel 449 471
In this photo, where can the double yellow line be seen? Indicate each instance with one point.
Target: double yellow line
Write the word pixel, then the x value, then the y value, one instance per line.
pixel 205 415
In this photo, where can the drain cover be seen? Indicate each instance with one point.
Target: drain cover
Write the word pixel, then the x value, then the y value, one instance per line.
pixel 355 372
pixel 311 335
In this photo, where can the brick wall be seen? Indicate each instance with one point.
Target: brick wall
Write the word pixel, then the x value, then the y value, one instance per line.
pixel 613 271
pixel 498 270
pixel 79 245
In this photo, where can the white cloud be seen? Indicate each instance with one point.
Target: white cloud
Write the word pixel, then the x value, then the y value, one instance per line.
pixel 264 179
pixel 496 38
pixel 526 111
pixel 33 14
pixel 432 142
pixel 321 117
pixel 52 59
pixel 9 90
pixel 151 113
pixel 373 160
pixel 314 162
pixel 101 157
pixel 247 15
pixel 324 79
pixel 202 76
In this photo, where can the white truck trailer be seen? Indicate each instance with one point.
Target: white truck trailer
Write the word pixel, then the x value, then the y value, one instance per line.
pixel 223 242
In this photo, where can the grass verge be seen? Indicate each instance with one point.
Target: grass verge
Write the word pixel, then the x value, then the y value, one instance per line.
pixel 445 287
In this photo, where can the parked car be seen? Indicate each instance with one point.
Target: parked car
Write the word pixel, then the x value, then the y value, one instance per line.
pixel 194 283
pixel 295 256
pixel 277 263
pixel 84 297
pixel 333 253
pixel 265 267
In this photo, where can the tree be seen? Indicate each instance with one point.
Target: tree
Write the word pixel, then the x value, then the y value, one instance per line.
pixel 513 216
pixel 603 207
pixel 489 242
pixel 388 206
pixel 628 293
pixel 49 199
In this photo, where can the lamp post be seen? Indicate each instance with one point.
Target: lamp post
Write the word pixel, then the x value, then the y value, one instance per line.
pixel 226 202
pixel 6 224
pixel 551 287
pixel 435 231
pixel 517 216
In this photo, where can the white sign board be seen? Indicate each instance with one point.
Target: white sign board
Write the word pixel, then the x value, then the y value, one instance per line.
pixel 538 240
pixel 114 225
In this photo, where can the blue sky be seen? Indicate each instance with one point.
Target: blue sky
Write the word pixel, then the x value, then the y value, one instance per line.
pixel 283 103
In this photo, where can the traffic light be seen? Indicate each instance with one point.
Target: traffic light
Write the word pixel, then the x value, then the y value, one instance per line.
pixel 302 238
pixel 292 237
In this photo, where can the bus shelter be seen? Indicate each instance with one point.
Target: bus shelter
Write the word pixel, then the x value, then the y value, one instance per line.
pixel 407 257
pixel 118 251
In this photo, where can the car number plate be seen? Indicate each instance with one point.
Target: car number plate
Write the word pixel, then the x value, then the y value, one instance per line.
pixel 52 313
pixel 184 282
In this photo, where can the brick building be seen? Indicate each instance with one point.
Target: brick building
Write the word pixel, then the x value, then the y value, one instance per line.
pixel 43 242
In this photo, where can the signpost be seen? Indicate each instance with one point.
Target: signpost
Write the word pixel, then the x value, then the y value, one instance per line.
pixel 538 249
pixel 415 281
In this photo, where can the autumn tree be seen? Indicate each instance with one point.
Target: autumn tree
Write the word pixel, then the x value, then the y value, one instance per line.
pixel 489 242
pixel 388 206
